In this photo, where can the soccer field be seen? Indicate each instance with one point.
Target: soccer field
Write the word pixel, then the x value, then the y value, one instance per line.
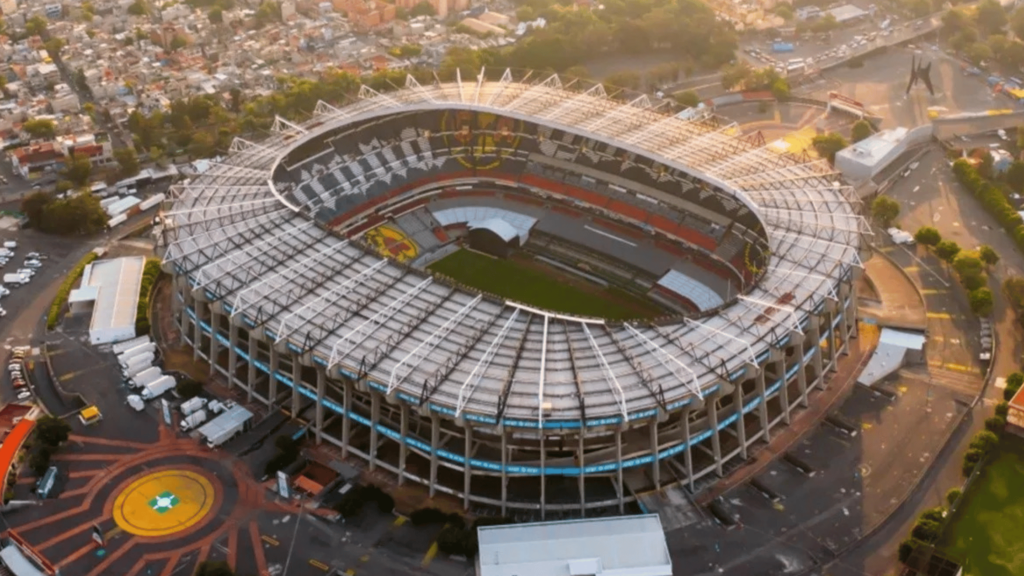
pixel 536 285
pixel 984 533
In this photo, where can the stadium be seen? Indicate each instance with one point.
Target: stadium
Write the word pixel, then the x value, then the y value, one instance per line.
pixel 527 295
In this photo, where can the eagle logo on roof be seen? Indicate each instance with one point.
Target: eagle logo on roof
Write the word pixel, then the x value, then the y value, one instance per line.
pixel 480 140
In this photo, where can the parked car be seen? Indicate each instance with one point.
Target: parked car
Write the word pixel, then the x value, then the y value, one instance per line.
pixel 32 263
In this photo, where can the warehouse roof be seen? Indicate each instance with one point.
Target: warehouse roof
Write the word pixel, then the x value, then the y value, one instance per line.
pixel 114 284
pixel 630 545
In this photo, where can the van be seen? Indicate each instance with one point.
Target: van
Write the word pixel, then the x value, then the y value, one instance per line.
pixel 10 244
pixel 44 489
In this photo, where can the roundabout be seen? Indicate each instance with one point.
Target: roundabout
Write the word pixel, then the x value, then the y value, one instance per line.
pixel 164 503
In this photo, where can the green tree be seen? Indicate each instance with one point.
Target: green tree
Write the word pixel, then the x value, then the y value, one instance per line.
pixel 947 250
pixel 861 130
pixel 41 128
pixel 39 460
pixel 991 17
pixel 885 210
pixel 1015 175
pixel 269 11
pixel 927 236
pixel 978 53
pixel 188 388
pixel 988 255
pixel 780 89
pixel 216 15
pixel 52 431
pixel 128 160
pixel 577 72
pixel 952 496
pixel 628 79
pixel 32 206
pixel 422 9
pixel 178 42
pixel 54 46
pixel 77 170
pixel 138 8
pixel 78 214
pixel 981 301
pixel 36 26
pixel 967 263
pixel 827 145
pixel 687 98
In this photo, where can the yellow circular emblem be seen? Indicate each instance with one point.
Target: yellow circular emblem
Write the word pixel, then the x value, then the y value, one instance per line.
pixel 163 503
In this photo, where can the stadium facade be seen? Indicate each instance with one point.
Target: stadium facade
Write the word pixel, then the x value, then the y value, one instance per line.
pixel 499 403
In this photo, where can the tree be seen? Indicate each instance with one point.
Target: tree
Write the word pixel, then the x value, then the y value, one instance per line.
pixel 128 160
pixel 422 9
pixel 995 424
pixel 1013 287
pixel 780 89
pixel 827 145
pixel 627 79
pixel 978 53
pixel 42 128
pixel 947 250
pixel 78 214
pixel 1013 383
pixel 269 11
pixel 967 264
pixel 952 496
pixel 36 26
pixel 991 17
pixel 981 301
pixel 178 42
pixel 927 236
pixel 216 15
pixel 32 206
pixel 577 72
pixel 988 255
pixel 214 568
pixel 885 210
pixel 77 170
pixel 861 130
pixel 52 431
pixel 687 98
pixel 39 461
pixel 138 8
pixel 1015 174
pixel 53 46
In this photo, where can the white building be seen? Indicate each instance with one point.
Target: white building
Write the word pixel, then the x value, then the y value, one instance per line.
pixel 621 546
pixel 111 288
pixel 860 162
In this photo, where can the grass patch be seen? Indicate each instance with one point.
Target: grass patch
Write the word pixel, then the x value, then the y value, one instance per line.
pixel 535 286
pixel 984 533
pixel 65 290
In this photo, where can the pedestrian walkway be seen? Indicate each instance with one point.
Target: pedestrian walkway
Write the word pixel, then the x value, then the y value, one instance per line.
pixel 901 302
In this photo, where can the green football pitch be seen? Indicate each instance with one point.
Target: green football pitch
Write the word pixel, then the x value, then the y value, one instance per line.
pixel 538 285
pixel 984 532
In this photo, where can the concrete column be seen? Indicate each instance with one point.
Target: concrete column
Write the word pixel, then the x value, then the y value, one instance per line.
pixel 275 365
pixel 741 426
pixel 801 374
pixel 504 473
pixel 581 462
pixel 816 359
pixel 374 420
pixel 711 405
pixel 197 332
pixel 618 460
pixel 232 354
pixel 544 482
pixel 845 326
pixel 252 369
pixel 346 422
pixel 435 441
pixel 762 408
pixel 321 389
pixel 656 465
pixel 214 343
pixel 296 382
pixel 688 453
pixel 467 471
pixel 784 389
pixel 403 447
pixel 177 307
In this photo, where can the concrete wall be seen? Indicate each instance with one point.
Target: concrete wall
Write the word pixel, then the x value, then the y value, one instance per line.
pixel 968 124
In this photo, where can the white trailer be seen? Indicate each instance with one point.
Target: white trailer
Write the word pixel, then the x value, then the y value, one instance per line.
pixel 122 347
pixel 226 426
pixel 132 372
pixel 192 406
pixel 140 349
pixel 135 361
pixel 15 279
pixel 157 388
pixel 192 420
pixel 136 403
pixel 146 377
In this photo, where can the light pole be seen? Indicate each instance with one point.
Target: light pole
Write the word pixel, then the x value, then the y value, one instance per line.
pixel 291 547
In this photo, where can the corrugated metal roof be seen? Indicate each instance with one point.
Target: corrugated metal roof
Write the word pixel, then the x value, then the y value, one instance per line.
pixel 17 563
pixel 118 282
pixel 628 545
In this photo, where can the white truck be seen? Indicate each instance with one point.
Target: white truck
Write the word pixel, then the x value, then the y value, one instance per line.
pixel 125 361
pixel 226 426
pixel 136 403
pixel 216 407
pixel 193 420
pixel 132 371
pixel 157 388
pixel 122 347
pixel 135 361
pixel 15 279
pixel 145 378
pixel 140 349
pixel 190 407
